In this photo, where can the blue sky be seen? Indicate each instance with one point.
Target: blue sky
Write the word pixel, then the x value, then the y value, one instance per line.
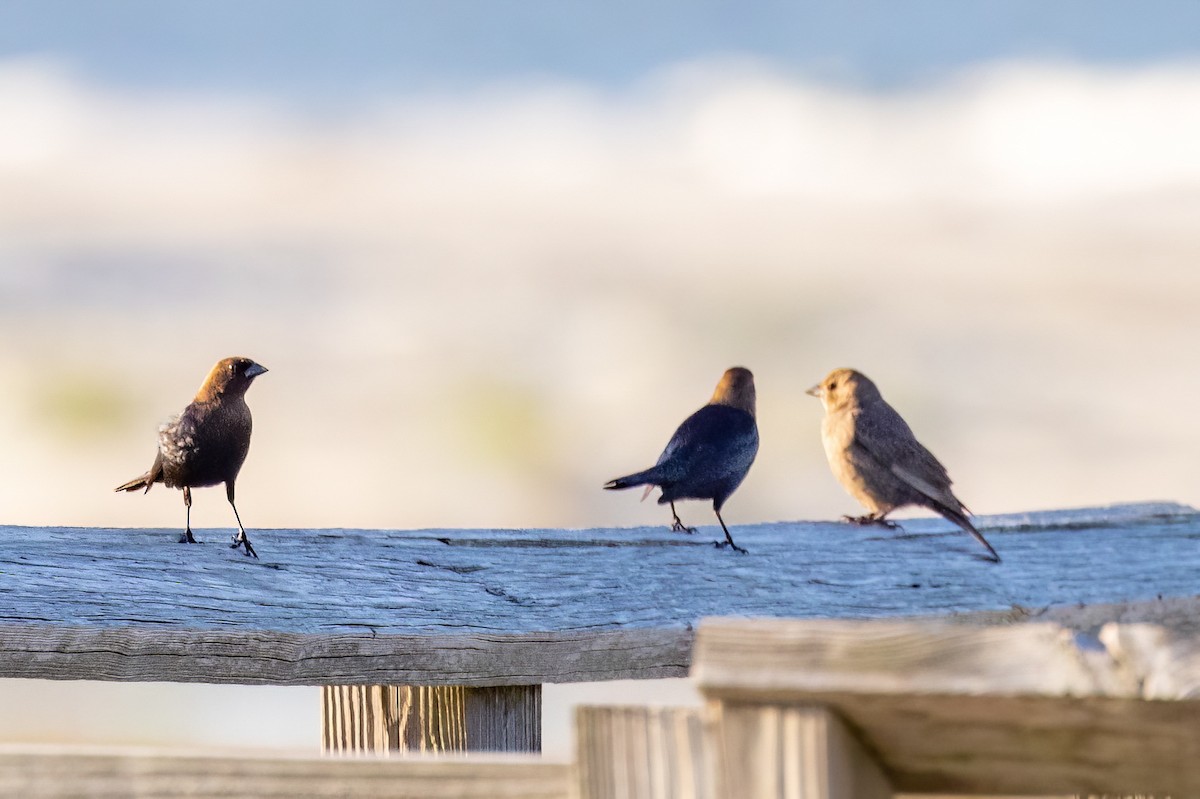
pixel 307 50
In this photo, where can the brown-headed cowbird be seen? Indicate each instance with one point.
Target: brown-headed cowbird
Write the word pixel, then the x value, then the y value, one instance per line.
pixel 207 443
pixel 876 457
pixel 710 453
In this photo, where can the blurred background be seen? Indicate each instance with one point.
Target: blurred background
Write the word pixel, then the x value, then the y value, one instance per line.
pixel 493 253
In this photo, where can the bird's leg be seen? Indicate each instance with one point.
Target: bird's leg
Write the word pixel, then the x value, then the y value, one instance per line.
pixel 187 538
pixel 678 526
pixel 882 520
pixel 728 542
pixel 873 518
pixel 240 539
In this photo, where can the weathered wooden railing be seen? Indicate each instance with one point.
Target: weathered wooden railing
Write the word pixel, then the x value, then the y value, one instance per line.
pixel 866 710
pixel 796 709
pixel 440 640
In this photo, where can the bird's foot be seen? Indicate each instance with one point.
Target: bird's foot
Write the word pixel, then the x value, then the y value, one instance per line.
pixel 186 538
pixel 872 520
pixel 730 545
pixel 680 527
pixel 239 540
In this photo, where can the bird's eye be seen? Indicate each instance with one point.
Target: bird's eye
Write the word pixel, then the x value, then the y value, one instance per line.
pixel 232 368
pixel 833 385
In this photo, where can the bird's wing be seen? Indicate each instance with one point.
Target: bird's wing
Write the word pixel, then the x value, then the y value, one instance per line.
pixel 720 439
pixel 156 470
pixel 887 439
pixel 177 440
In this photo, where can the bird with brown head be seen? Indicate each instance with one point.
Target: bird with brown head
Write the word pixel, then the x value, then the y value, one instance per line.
pixel 207 443
pixel 710 453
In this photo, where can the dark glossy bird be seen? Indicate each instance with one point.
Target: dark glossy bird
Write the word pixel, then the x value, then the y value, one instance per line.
pixel 878 460
pixel 207 443
pixel 710 453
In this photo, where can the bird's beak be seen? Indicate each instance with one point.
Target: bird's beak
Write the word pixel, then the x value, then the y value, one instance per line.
pixel 816 391
pixel 254 370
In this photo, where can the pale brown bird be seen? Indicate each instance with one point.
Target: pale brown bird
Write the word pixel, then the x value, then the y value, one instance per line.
pixel 710 453
pixel 207 443
pixel 876 457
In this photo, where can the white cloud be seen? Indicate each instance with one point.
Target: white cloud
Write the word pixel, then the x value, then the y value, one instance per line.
pixel 167 167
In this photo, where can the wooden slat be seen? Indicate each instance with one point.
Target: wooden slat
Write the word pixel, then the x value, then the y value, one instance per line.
pixel 759 659
pixel 643 753
pixel 792 752
pixel 46 772
pixel 504 719
pixel 1031 709
pixel 151 654
pixel 431 719
pixel 522 607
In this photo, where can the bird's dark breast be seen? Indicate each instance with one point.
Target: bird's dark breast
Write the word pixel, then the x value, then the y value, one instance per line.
pixel 205 448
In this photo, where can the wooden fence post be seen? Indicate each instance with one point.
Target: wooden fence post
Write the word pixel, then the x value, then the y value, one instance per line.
pixel 642 753
pixel 791 752
pixel 432 719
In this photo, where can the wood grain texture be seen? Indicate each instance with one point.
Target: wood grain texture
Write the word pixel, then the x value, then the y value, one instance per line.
pixel 431 719
pixel 1179 615
pixel 153 654
pixel 521 607
pixel 643 753
pixel 1030 709
pixel 504 719
pixel 792 752
pixel 54 772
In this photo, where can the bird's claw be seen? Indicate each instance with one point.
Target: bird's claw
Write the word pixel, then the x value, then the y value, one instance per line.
pixel 680 527
pixel 239 540
pixel 731 545
pixel 187 538
pixel 872 520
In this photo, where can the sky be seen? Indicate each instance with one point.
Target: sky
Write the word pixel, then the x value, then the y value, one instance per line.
pixel 494 252
pixel 333 51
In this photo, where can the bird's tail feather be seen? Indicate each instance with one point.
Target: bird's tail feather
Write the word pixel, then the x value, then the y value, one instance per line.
pixel 648 477
pixel 959 517
pixel 138 482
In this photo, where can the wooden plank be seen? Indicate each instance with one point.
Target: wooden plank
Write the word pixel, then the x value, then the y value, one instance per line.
pixel 792 752
pixel 466 607
pixel 152 654
pixel 1179 615
pixel 431 719
pixel 46 772
pixel 1030 709
pixel 642 753
pixel 768 659
pixel 504 719
pixel 730 750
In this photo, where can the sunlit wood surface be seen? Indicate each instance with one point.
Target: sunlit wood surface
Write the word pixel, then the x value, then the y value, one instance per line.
pixel 524 607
